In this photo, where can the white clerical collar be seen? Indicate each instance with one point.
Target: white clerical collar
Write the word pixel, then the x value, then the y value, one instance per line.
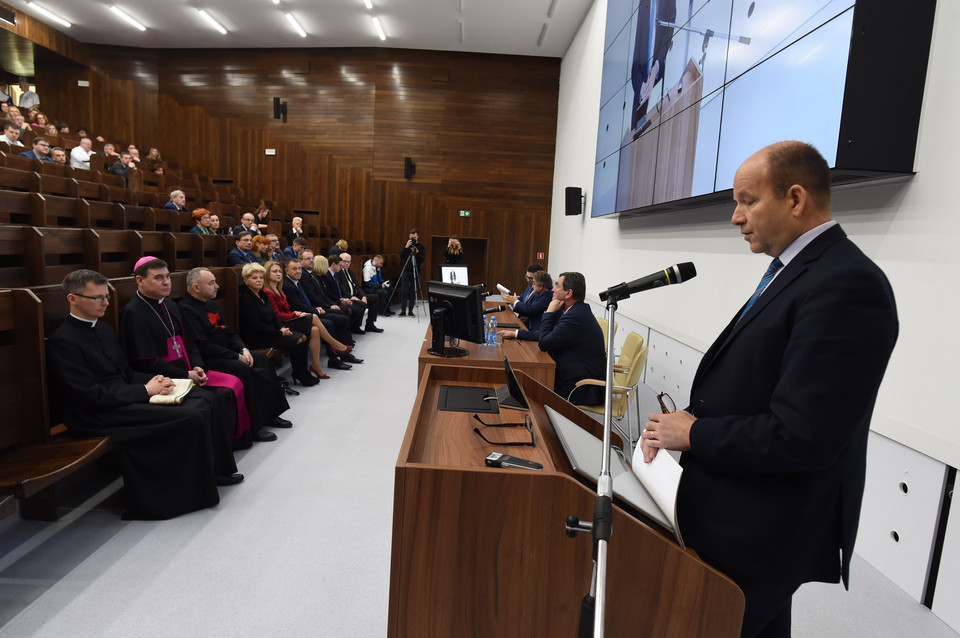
pixel 92 322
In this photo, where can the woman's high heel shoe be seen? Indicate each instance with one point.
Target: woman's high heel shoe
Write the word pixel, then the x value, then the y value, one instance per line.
pixel 320 375
pixel 306 380
pixel 344 351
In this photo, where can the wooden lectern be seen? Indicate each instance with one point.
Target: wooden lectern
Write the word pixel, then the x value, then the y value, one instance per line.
pixel 481 551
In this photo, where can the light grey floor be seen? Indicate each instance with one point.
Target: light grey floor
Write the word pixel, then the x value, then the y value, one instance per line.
pixel 302 547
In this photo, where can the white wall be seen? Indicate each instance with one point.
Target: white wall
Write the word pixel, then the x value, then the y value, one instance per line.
pixel 910 228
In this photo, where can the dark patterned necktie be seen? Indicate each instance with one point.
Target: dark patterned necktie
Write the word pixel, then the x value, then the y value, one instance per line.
pixel 772 269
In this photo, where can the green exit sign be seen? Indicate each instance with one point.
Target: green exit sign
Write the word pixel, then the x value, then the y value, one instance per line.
pixel 464 213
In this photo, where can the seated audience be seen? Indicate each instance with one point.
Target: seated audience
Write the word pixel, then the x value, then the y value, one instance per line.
pixel 262 217
pixel 134 153
pixel 50 130
pixel 215 224
pixel 307 294
pixel 260 327
pixel 242 253
pixel 170 456
pixel 338 248
pixel 374 283
pixel 304 322
pixel 297 231
pixel 39 122
pixel 178 201
pixel 337 325
pixel 530 307
pixel 4 96
pixel 330 282
pixel 247 223
pixel 201 218
pixel 298 246
pixel 158 169
pixel 261 248
pixel 63 127
pixel 275 253
pixel 157 340
pixel 5 109
pixel 18 121
pixel 80 155
pixel 123 167
pixel 108 149
pixel 223 351
pixel 352 290
pixel 58 155
pixel 154 154
pixel 571 335
pixel 11 134
pixel 28 98
pixel 40 150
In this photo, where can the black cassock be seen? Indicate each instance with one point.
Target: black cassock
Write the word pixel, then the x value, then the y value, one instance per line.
pixel 144 328
pixel 220 346
pixel 166 452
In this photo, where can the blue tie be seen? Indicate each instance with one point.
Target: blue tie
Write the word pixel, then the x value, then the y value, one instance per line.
pixel 772 269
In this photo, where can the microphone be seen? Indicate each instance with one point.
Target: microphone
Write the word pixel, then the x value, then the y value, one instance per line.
pixel 487 311
pixel 676 274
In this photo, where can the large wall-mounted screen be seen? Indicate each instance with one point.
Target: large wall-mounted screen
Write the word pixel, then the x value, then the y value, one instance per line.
pixel 691 88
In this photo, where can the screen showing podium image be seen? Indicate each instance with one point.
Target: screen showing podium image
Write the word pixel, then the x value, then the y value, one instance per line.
pixel 454 274
pixel 456 312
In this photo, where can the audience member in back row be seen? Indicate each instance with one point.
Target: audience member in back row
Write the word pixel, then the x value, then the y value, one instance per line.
pixel 305 322
pixel 247 223
pixel 158 341
pixel 374 283
pixel 80 155
pixel 40 151
pixel 123 167
pixel 201 217
pixel 28 98
pixel 178 201
pixel 4 96
pixel 167 452
pixel 260 327
pixel 531 306
pixel 11 134
pixel 262 217
pixel 242 253
pixel 223 351
pixel 50 130
pixel 297 231
pixel 293 250
pixel 571 335
pixel 108 149
pixel 352 290
pixel 215 225
pixel 275 253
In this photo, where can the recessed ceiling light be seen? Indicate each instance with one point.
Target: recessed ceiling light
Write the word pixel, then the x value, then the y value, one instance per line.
pixel 368 4
pixel 376 23
pixel 126 17
pixel 216 25
pixel 48 14
pixel 296 25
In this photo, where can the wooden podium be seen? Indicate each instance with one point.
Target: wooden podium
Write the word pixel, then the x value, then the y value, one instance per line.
pixel 481 551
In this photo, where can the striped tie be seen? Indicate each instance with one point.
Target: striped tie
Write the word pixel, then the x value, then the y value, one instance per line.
pixel 772 269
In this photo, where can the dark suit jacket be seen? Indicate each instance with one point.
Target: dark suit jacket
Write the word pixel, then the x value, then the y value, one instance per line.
pixel 32 155
pixel 575 341
pixel 533 311
pixel 772 485
pixel 171 206
pixel 237 256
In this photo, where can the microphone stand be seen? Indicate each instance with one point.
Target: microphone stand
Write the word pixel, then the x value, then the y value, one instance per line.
pixel 592 608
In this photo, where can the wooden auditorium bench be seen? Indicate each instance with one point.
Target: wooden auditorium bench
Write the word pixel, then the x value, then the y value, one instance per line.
pixel 32 457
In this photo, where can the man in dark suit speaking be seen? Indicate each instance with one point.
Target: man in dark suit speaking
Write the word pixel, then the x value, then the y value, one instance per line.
pixel 572 336
pixel 774 440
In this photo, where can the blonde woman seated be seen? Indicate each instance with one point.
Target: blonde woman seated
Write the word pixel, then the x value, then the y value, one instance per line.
pixel 303 322
pixel 260 327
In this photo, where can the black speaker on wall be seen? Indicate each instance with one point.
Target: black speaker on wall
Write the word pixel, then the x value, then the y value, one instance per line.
pixel 574 200
pixel 409 168
pixel 279 109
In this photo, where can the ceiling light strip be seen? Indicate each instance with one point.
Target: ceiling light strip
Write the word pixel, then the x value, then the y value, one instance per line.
pixel 209 18
pixel 48 14
pixel 376 23
pixel 553 7
pixel 543 33
pixel 368 4
pixel 120 12
pixel 296 25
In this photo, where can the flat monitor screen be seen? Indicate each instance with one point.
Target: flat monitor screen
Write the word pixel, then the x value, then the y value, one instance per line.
pixel 454 274
pixel 510 395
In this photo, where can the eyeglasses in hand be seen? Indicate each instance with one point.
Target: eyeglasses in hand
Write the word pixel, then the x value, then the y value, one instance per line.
pixel 666 403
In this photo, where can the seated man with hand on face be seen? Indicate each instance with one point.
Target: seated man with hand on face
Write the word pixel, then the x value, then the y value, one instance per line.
pixel 572 336
pixel 170 455
pixel 531 307
pixel 222 350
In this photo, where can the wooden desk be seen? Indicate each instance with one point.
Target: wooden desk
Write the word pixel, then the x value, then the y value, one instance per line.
pixel 480 551
pixel 524 356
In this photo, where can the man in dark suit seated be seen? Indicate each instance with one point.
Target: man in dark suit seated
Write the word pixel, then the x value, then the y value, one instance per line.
pixel 123 167
pixel 330 283
pixel 169 455
pixel 223 350
pixel 295 286
pixel 242 252
pixel 531 306
pixel 248 223
pixel 572 336
pixel 351 288
pixel 178 202
pixel 41 150
pixel 774 440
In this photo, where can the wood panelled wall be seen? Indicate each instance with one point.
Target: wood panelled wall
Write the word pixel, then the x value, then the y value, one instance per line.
pixel 481 130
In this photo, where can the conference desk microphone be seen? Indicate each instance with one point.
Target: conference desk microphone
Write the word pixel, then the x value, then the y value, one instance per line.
pixel 487 311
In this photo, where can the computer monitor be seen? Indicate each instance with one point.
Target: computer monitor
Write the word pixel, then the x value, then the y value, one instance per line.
pixel 454 274
pixel 456 312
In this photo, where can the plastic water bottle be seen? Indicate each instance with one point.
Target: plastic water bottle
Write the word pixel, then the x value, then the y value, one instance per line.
pixel 491 330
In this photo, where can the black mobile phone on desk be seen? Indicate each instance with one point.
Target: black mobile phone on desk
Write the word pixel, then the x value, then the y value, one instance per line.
pixel 496 459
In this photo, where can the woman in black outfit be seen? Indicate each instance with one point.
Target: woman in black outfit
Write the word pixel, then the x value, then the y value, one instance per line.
pixel 260 328
pixel 453 253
